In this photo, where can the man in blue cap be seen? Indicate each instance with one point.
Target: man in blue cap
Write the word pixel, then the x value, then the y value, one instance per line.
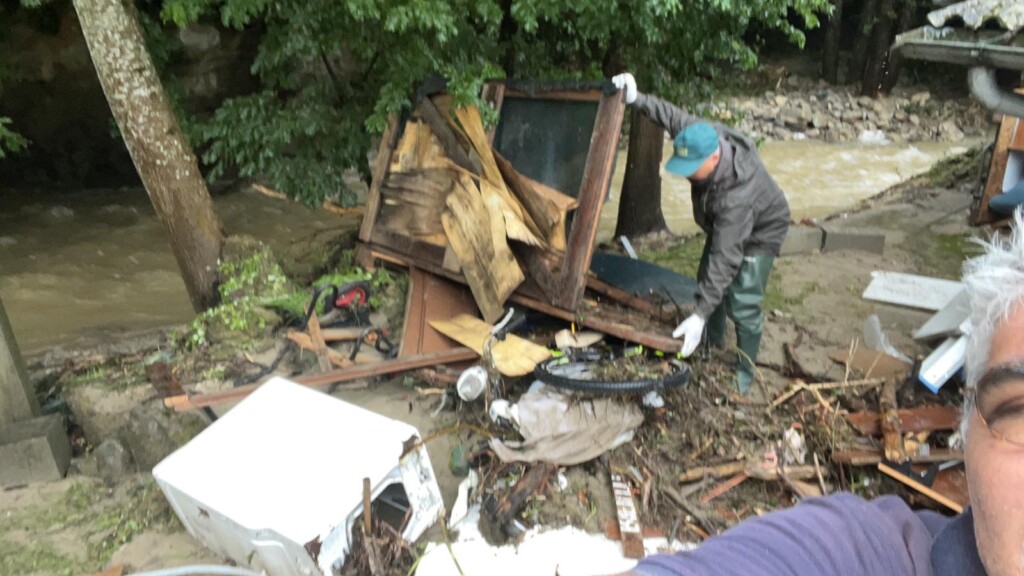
pixel 742 211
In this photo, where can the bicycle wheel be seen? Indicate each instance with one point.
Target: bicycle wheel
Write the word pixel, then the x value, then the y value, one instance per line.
pixel 582 373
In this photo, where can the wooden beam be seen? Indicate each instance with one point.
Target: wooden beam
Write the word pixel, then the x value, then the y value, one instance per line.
pixel 593 189
pixel 380 170
pixel 895 474
pixel 922 419
pixel 867 457
pixel 980 213
pixel 333 377
pixel 892 433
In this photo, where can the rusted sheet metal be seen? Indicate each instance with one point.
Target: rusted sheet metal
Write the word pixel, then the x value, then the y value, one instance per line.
pixel 976 14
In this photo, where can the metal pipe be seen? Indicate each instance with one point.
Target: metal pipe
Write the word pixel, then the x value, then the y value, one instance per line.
pixel 201 570
pixel 987 91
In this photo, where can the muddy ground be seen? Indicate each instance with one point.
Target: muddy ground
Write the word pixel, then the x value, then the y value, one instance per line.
pixel 105 514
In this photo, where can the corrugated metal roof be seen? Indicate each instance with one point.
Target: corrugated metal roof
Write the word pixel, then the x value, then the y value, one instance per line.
pixel 1009 14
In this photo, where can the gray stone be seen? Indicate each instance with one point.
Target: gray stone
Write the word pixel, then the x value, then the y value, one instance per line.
pixel 915 119
pixel 853 116
pixel 851 240
pixel 109 461
pixel 34 450
pixel 865 102
pixel 950 132
pixel 781 100
pixel 920 98
pixel 802 240
pixel 102 412
pixel 900 115
pixel 813 132
pixel 148 437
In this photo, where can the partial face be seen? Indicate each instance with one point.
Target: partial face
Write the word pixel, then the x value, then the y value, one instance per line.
pixel 707 168
pixel 995 468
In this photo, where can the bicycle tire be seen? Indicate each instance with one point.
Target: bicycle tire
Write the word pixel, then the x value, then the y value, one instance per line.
pixel 563 373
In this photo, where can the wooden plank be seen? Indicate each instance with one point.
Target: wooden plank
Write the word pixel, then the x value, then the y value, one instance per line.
pixel 596 179
pixel 914 420
pixel 518 222
pixel 342 334
pixel 416 249
pixel 475 231
pixel 334 358
pixel 1017 143
pixel 441 128
pixel 319 346
pixel 896 475
pixel 431 298
pixel 514 356
pixel 112 571
pixel 494 94
pixel 380 169
pixel 541 94
pixel 867 457
pixel 980 213
pixel 626 299
pixel 418 149
pixel 630 530
pixel 873 364
pixel 538 269
pixel 329 378
pixel 542 203
pixel 892 433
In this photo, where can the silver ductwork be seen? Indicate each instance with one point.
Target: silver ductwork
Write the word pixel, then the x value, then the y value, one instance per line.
pixel 986 90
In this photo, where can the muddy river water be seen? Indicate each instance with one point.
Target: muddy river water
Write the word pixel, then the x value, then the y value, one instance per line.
pixel 75 266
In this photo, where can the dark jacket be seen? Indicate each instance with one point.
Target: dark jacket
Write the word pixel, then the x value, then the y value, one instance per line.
pixel 740 207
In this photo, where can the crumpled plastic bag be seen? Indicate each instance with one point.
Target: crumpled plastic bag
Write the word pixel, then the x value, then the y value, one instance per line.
pixel 561 430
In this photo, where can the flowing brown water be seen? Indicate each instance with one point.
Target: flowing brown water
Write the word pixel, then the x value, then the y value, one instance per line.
pixel 75 266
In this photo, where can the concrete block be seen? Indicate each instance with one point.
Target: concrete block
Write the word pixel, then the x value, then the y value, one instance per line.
pixel 802 240
pixel 35 450
pixel 850 240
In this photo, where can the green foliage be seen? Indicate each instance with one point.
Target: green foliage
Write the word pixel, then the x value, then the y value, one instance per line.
pixel 332 71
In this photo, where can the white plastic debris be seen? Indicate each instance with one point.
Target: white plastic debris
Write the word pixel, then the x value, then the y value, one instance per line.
pixel 285 468
pixel 876 340
pixel 471 383
pixel 566 551
pixel 653 400
pixel 461 506
pixel 794 451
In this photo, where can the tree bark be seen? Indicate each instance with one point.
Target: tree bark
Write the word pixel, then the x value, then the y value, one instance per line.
pixel 881 39
pixel 833 34
pixel 640 201
pixel 907 20
pixel 17 398
pixel 164 160
pixel 865 26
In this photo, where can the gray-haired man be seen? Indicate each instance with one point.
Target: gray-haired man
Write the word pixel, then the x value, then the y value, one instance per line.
pixel 847 535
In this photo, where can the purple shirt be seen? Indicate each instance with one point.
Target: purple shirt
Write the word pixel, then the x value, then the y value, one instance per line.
pixel 841 534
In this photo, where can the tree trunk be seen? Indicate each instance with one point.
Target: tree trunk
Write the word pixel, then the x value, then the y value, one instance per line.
pixel 830 64
pixel 871 82
pixel 908 18
pixel 862 40
pixel 164 160
pixel 17 398
pixel 640 200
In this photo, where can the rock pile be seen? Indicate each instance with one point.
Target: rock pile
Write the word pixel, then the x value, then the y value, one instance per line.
pixel 806 109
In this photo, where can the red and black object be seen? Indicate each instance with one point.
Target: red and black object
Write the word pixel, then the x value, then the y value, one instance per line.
pixel 348 304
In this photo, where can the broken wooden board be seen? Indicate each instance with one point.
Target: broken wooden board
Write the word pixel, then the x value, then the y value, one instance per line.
pixel 868 457
pixel 181 403
pixel 629 521
pixel 940 498
pixel 548 207
pixel 889 422
pixel 911 290
pixel 872 364
pixel 476 231
pixel 514 356
pixel 431 298
pixel 914 420
pixel 418 149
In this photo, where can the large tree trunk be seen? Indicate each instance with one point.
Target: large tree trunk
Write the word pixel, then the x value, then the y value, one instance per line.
pixel 862 40
pixel 640 201
pixel 907 20
pixel 871 82
pixel 830 64
pixel 163 158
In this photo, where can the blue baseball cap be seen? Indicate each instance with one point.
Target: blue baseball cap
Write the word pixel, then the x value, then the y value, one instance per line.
pixel 691 147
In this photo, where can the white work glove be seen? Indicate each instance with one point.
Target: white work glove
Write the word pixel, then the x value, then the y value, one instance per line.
pixel 692 330
pixel 627 83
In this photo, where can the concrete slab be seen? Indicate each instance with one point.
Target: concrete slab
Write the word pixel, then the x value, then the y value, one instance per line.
pixel 802 240
pixel 852 240
pixel 35 450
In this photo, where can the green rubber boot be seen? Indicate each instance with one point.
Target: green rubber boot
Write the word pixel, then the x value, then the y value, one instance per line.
pixel 744 299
